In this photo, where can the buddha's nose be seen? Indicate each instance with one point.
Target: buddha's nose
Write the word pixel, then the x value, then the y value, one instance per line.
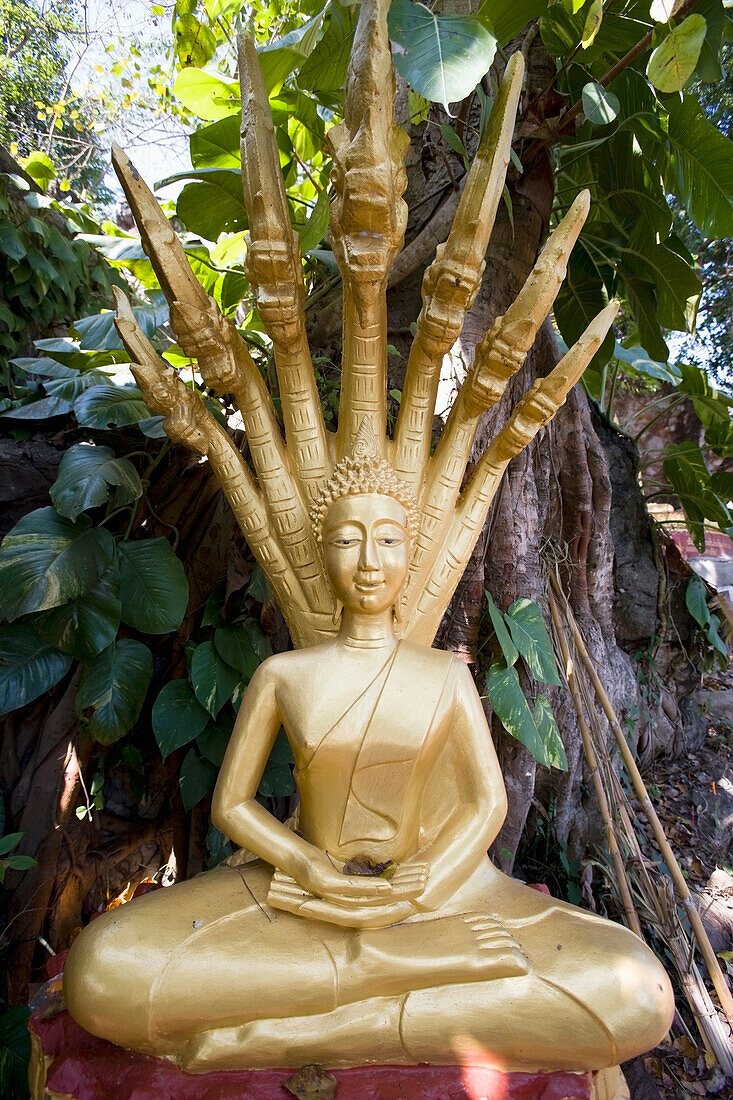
pixel 369 557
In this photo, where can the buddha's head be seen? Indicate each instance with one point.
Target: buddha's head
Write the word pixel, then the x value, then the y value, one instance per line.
pixel 364 521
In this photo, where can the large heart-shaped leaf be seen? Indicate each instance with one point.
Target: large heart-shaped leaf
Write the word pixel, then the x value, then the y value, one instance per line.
pixel 110 407
pixel 673 62
pixel 234 645
pixel 153 588
pixel 278 59
pixel 86 626
pixel 89 475
pixel 213 680
pixel 212 743
pixel 205 95
pixel 548 730
pixel 178 717
pixel 214 206
pixel 28 667
pixel 442 57
pixel 510 706
pixel 529 634
pixel 112 689
pixel 197 778
pixel 47 560
pixel 217 145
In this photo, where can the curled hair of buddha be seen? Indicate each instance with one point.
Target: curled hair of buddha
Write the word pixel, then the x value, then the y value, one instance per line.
pixel 363 471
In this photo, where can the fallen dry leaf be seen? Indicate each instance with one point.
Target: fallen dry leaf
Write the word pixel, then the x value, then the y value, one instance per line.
pixel 312 1083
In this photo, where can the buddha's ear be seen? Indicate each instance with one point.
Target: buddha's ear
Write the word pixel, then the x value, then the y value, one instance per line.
pixel 337 613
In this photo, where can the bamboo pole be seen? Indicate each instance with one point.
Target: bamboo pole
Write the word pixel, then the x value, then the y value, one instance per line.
pixel 706 949
pixel 632 918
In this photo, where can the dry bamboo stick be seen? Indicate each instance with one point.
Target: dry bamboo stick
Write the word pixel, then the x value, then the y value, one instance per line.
pixel 706 949
pixel 632 918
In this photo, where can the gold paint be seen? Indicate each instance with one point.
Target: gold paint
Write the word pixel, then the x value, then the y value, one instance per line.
pixel 284 959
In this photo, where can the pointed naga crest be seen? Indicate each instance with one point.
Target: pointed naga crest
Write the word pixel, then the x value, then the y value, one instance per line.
pixel 291 469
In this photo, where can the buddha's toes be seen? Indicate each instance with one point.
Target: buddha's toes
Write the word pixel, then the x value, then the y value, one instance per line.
pixel 496 954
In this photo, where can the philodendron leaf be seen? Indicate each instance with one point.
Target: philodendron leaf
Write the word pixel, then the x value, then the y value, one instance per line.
pixel 178 717
pixel 212 743
pixel 547 728
pixel 504 638
pixel 599 106
pixel 442 57
pixel 110 407
pixel 510 706
pixel 701 167
pixel 197 778
pixel 88 476
pixel 28 667
pixel 673 62
pixel 87 625
pixel 47 560
pixel 234 644
pixel 696 599
pixel 529 634
pixel 153 586
pixel 213 680
pixel 112 689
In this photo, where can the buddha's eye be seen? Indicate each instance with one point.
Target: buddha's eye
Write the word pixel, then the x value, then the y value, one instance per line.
pixel 344 542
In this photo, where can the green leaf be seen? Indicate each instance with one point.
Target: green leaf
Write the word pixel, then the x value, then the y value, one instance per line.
pixel 110 407
pixel 529 634
pixel 504 638
pixel 10 841
pixel 582 296
pixel 40 168
pixel 673 62
pixel 88 476
pixel 15 1052
pixel 178 717
pixel 212 743
pixel 696 600
pixel 278 59
pixel 599 106
pixel 215 206
pixel 701 173
pixel 47 560
pixel 217 146
pixel 325 70
pixel 194 43
pixel 28 667
pixel 87 625
pixel 153 588
pixel 510 706
pixel 678 287
pixel 443 57
pixel 721 483
pixel 11 243
pixel 207 96
pixel 234 645
pixel 112 689
pixel 544 719
pixel 560 30
pixel 688 474
pixel 509 17
pixel 592 24
pixel 21 863
pixel 314 230
pixel 197 778
pixel 213 680
pixel 709 69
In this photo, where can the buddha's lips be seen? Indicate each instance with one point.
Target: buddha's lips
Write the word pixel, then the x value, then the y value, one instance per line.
pixel 368 586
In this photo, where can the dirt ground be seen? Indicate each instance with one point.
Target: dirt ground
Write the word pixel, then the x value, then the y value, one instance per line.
pixel 694 800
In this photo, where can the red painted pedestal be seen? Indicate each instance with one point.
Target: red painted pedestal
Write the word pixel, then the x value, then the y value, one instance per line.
pixel 68 1062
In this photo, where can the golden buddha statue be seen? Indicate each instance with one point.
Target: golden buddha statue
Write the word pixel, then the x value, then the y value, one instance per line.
pixel 291 959
pixel 295 955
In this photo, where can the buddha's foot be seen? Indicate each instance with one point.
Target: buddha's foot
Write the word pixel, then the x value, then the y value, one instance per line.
pixel 418 954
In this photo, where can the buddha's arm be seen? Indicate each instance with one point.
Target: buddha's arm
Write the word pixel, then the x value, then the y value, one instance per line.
pixel 471 815
pixel 236 812
pixel 234 808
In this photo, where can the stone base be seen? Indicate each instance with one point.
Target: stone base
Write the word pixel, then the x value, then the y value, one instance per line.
pixel 69 1064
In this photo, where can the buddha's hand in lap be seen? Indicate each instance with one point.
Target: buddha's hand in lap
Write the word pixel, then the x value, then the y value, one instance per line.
pixel 352 901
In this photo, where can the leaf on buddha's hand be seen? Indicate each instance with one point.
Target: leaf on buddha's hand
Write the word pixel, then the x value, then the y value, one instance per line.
pixel 312 1083
pixel 360 865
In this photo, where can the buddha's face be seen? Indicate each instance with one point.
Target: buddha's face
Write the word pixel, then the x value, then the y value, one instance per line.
pixel 366 550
